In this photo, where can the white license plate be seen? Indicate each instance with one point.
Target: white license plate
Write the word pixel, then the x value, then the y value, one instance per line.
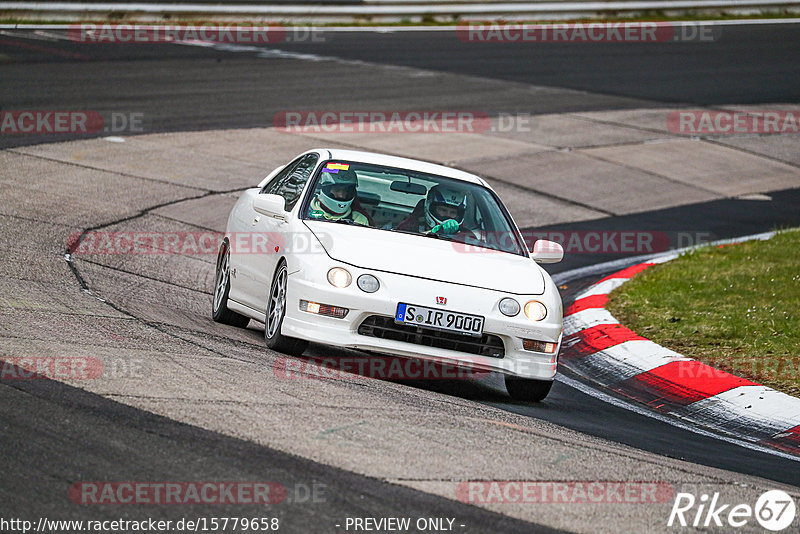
pixel 462 323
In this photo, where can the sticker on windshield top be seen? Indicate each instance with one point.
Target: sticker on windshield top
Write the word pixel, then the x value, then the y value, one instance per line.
pixel 317 213
pixel 332 171
pixel 338 166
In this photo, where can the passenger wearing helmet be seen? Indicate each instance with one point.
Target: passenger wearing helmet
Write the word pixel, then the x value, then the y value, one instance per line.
pixel 334 199
pixel 443 213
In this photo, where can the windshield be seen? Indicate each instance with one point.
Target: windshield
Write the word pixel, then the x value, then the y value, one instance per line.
pixel 400 200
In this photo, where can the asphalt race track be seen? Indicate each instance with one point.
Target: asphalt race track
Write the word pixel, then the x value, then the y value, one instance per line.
pixel 180 88
pixel 208 409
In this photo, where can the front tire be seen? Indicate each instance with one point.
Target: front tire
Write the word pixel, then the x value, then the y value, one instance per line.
pixel 276 311
pixel 527 389
pixel 222 286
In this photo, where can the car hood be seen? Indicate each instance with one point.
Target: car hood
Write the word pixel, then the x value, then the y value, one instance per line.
pixel 435 259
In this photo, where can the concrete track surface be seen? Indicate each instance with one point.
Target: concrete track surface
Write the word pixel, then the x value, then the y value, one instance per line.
pixel 184 398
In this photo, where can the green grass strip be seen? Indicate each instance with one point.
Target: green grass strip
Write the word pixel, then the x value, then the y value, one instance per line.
pixel 734 307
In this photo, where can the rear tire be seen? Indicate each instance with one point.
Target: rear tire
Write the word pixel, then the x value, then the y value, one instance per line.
pixel 222 286
pixel 527 389
pixel 276 311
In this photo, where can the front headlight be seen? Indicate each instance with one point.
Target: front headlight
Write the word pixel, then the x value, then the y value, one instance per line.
pixel 509 307
pixel 535 310
pixel 339 277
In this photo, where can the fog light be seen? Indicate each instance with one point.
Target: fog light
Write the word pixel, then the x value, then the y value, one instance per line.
pixel 368 283
pixel 539 346
pixel 535 310
pixel 339 277
pixel 323 309
pixel 509 306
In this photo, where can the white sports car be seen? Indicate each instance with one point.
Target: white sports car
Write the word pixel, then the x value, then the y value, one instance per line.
pixel 393 256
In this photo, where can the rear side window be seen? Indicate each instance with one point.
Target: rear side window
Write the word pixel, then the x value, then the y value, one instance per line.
pixel 290 181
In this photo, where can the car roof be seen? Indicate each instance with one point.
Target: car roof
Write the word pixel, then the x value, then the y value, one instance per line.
pixel 402 163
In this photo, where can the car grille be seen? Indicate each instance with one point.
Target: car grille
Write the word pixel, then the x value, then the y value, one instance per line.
pixel 385 328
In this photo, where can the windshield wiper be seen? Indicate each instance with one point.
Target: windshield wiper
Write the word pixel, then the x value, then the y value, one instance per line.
pixel 411 232
pixel 407 232
pixel 431 234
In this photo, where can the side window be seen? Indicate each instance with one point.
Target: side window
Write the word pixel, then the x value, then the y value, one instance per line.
pixel 272 185
pixel 289 182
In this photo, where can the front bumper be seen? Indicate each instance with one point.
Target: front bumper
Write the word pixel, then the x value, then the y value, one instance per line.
pixel 311 285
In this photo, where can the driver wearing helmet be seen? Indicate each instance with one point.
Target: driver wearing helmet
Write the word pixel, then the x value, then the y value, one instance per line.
pixel 444 211
pixel 335 195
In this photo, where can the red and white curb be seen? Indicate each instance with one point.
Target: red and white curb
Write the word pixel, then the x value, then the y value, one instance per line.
pixel 600 349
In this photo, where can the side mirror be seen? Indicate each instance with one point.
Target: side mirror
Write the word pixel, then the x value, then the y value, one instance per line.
pixel 547 252
pixel 270 205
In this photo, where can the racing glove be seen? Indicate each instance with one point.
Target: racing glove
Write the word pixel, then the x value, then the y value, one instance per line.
pixel 449 227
